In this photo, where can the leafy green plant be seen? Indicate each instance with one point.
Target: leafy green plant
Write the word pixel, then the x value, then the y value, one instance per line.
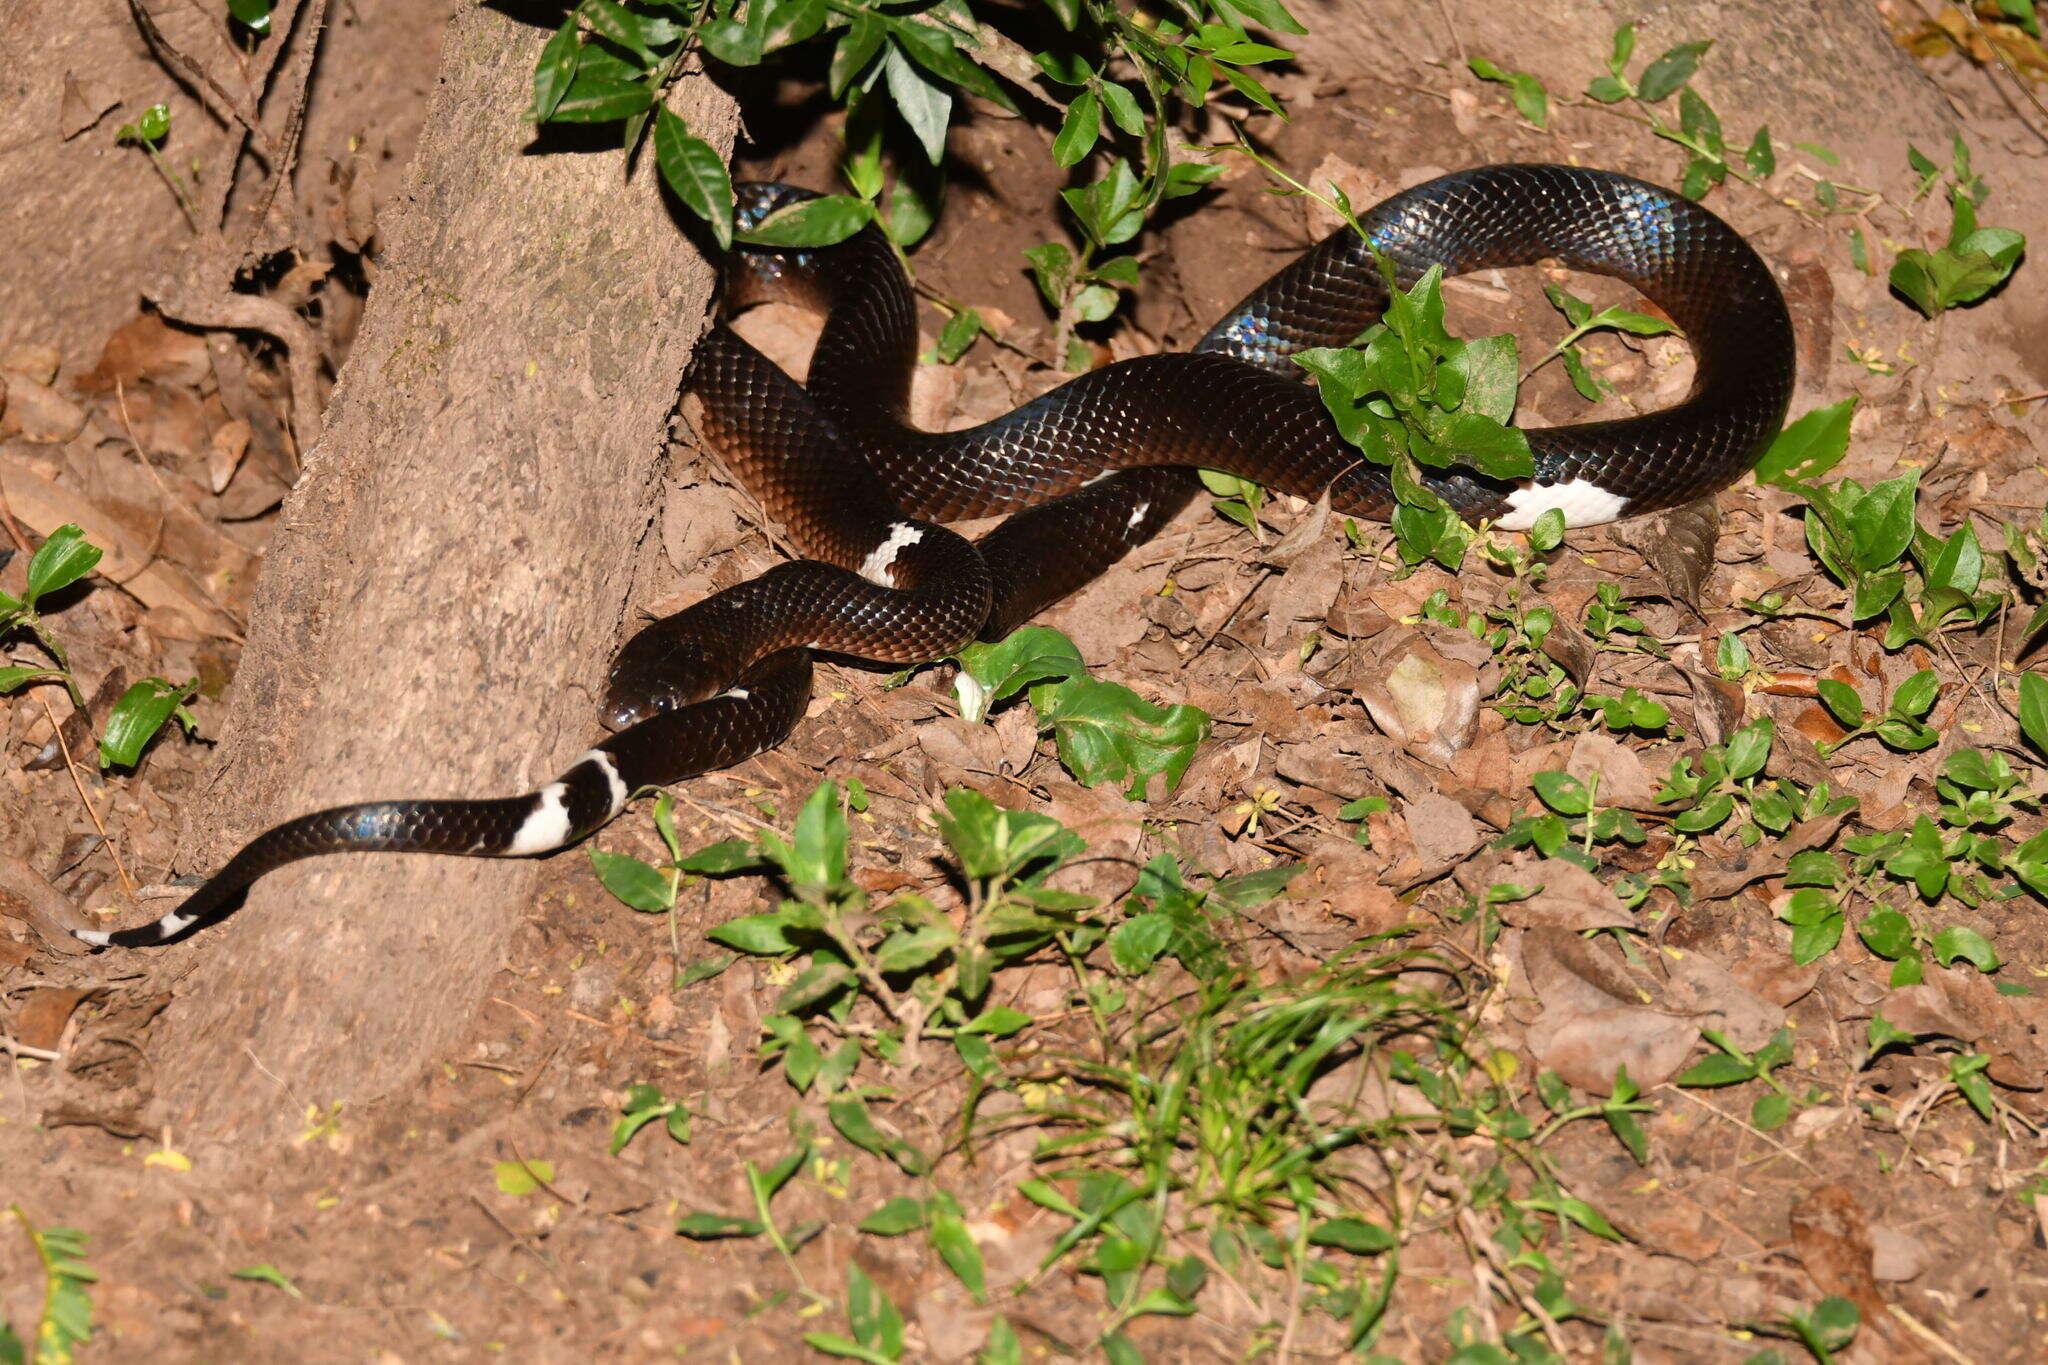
pixel 65 1322
pixel 1698 131
pixel 1902 725
pixel 1584 321
pixel 900 74
pixel 1974 261
pixel 644 1105
pixel 62 560
pixel 1103 731
pixel 1733 1066
pixel 876 1324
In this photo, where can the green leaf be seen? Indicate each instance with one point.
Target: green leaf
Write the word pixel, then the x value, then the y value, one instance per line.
pixel 138 716
pixel 60 561
pixel 925 107
pixel 555 69
pixel 2033 709
pixel 957 1248
pixel 1809 447
pixel 957 335
pixel 694 170
pixel 13 676
pixel 1273 15
pixel 1716 1071
pixel 899 1215
pixel 1887 933
pixel 822 221
pixel 818 845
pixel 1354 1235
pixel 1107 733
pixel 267 1273
pixel 1531 99
pixel 857 47
pixel 1966 943
pixel 1665 76
pixel 1881 523
pixel 1749 747
pixel 1079 130
pixel 990 673
pixel 1917 694
pixel 1562 792
pixel 705 1227
pixel 857 1126
pixel 602 99
pixel 1841 701
pixel 635 883
pixel 727 855
pixel 523 1177
pixel 774 934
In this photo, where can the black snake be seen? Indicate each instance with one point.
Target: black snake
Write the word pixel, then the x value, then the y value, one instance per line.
pixel 1088 470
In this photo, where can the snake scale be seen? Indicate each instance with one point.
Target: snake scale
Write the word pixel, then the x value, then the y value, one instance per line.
pixel 1085 472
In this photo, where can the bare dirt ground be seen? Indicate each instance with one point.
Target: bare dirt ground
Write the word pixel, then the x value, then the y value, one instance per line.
pixel 388 1220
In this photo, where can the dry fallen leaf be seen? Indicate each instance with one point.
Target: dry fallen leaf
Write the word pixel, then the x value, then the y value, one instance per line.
pixel 44 1013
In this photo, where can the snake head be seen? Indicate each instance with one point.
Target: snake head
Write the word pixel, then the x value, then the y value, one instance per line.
pixel 664 668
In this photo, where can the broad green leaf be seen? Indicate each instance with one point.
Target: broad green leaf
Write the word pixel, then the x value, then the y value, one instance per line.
pixel 857 1126
pixel 523 1177
pixel 1107 733
pixel 1079 130
pixel 705 1227
pixel 818 843
pixel 60 561
pixel 1962 942
pixel 899 1215
pixel 2033 709
pixel 694 170
pixel 1665 76
pixel 1531 99
pixel 267 1273
pixel 990 673
pixel 601 99
pixel 635 883
pixel 927 108
pixel 816 222
pixel 138 716
pixel 557 66
pixel 1809 447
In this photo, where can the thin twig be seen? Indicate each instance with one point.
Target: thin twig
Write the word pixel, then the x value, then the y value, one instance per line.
pixel 71 766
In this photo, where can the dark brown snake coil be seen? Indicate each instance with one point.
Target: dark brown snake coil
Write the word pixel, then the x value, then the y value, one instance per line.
pixel 1088 470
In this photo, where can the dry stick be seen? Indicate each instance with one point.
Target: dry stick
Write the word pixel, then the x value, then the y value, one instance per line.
pixel 1970 12
pixel 231 110
pixel 71 767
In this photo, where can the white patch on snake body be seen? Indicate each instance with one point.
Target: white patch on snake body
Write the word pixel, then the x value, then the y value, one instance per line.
pixel 735 694
pixel 1105 474
pixel 1137 515
pixel 174 924
pixel 1583 503
pixel 547 827
pixel 901 536
pixel 609 766
pixel 97 937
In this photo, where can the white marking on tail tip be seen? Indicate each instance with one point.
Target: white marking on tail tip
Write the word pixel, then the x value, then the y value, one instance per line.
pixel 736 693
pixel 1582 502
pixel 1105 474
pixel 1137 515
pixel 98 937
pixel 901 536
pixel 546 827
pixel 610 767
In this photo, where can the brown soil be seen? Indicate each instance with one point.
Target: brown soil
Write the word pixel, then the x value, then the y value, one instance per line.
pixel 385 1215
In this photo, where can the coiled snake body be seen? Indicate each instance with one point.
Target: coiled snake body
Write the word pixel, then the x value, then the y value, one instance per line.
pixel 1088 470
